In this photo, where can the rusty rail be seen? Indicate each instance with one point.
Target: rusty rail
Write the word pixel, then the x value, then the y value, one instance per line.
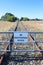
pixel 36 45
pixel 4 54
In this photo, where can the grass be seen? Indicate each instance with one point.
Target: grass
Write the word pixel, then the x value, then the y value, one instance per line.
pixel 5 26
pixel 34 25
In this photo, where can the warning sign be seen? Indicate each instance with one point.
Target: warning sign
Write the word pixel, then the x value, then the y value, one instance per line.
pixel 20 37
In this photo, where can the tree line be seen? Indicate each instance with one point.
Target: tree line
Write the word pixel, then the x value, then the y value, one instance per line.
pixel 12 18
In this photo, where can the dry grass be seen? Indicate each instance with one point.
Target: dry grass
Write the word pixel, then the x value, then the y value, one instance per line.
pixel 34 25
pixel 4 26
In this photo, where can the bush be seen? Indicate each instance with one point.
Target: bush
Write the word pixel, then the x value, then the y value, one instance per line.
pixel 24 19
pixel 9 17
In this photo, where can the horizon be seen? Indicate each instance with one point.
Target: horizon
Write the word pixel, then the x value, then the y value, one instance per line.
pixel 22 8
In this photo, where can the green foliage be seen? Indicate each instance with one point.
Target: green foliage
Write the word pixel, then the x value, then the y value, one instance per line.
pixel 24 19
pixel 37 19
pixel 9 17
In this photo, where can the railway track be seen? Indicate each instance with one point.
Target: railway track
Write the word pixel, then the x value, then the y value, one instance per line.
pixel 4 54
pixel 20 27
pixel 36 45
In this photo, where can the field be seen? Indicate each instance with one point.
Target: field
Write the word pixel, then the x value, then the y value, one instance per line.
pixel 34 25
pixel 31 25
pixel 5 26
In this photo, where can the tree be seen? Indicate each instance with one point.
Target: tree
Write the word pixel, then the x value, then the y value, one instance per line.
pixel 9 17
pixel 37 19
pixel 24 19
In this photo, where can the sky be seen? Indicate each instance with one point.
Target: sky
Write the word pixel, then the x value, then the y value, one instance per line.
pixel 22 8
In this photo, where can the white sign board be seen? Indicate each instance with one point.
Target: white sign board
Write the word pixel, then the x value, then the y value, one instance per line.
pixel 20 37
